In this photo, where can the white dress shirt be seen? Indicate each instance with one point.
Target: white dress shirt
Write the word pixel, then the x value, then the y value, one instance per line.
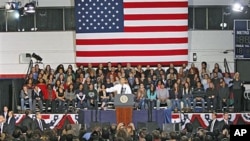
pixel 118 88
pixel 212 126
pixel 9 120
pixel 5 115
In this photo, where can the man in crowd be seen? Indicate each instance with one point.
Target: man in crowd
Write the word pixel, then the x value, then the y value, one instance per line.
pixel 163 96
pixel 27 121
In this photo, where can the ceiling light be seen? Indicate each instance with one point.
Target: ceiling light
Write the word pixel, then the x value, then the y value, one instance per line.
pixel 237 7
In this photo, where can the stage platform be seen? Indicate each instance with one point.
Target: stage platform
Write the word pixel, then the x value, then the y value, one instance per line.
pixel 163 116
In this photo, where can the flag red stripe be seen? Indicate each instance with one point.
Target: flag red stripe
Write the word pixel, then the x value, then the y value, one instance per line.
pixel 154 4
pixel 144 64
pixel 130 41
pixel 132 53
pixel 45 116
pixel 155 28
pixel 155 17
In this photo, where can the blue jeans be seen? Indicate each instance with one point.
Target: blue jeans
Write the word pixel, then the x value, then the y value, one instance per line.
pixel 23 101
pixel 187 102
pixel 81 105
pixel 143 104
pixel 176 104
pixel 61 105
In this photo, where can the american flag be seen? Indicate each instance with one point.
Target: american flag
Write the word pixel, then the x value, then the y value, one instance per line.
pixel 135 31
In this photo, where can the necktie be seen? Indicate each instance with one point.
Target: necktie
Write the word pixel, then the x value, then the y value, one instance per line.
pixel 40 124
pixel 122 90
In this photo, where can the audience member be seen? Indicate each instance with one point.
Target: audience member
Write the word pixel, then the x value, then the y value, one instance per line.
pixel 237 91
pixel 214 123
pixel 60 99
pixel 70 95
pixel 5 113
pixel 49 98
pixel 27 121
pixel 10 123
pixel 25 97
pixel 225 123
pixel 120 80
pixel 39 123
pixel 223 95
pixel 163 97
pixel 37 97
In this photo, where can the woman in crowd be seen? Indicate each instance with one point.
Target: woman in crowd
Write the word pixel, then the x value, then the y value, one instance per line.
pixel 57 85
pixel 70 95
pixel 151 96
pixel 103 95
pixel 176 96
pixel 237 91
pixel 60 98
pixel 187 97
pixel 136 86
pixel 141 97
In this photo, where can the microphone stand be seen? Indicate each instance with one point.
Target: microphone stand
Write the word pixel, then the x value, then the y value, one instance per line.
pixel 150 110
pixel 95 122
pixel 96 107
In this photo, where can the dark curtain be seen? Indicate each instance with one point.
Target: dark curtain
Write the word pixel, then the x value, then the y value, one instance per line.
pixel 9 93
pixel 5 93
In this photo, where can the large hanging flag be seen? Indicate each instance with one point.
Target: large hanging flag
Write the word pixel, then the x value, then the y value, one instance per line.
pixel 136 31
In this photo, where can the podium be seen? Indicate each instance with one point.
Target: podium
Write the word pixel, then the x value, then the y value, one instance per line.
pixel 124 108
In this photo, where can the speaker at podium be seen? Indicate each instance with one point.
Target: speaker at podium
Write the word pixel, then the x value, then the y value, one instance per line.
pixel 124 108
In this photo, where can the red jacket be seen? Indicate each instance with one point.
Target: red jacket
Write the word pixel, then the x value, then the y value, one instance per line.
pixel 43 87
pixel 46 94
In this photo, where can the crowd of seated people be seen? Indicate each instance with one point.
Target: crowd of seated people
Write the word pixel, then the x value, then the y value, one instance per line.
pixel 87 87
pixel 37 129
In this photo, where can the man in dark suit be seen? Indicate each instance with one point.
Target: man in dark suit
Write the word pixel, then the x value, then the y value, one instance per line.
pixel 27 122
pixel 39 123
pixel 214 123
pixel 10 123
pixel 5 112
pixel 225 123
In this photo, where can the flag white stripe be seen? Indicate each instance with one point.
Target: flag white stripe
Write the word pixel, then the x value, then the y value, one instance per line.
pixel 132 11
pixel 132 59
pixel 156 23
pixel 137 35
pixel 155 0
pixel 130 47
